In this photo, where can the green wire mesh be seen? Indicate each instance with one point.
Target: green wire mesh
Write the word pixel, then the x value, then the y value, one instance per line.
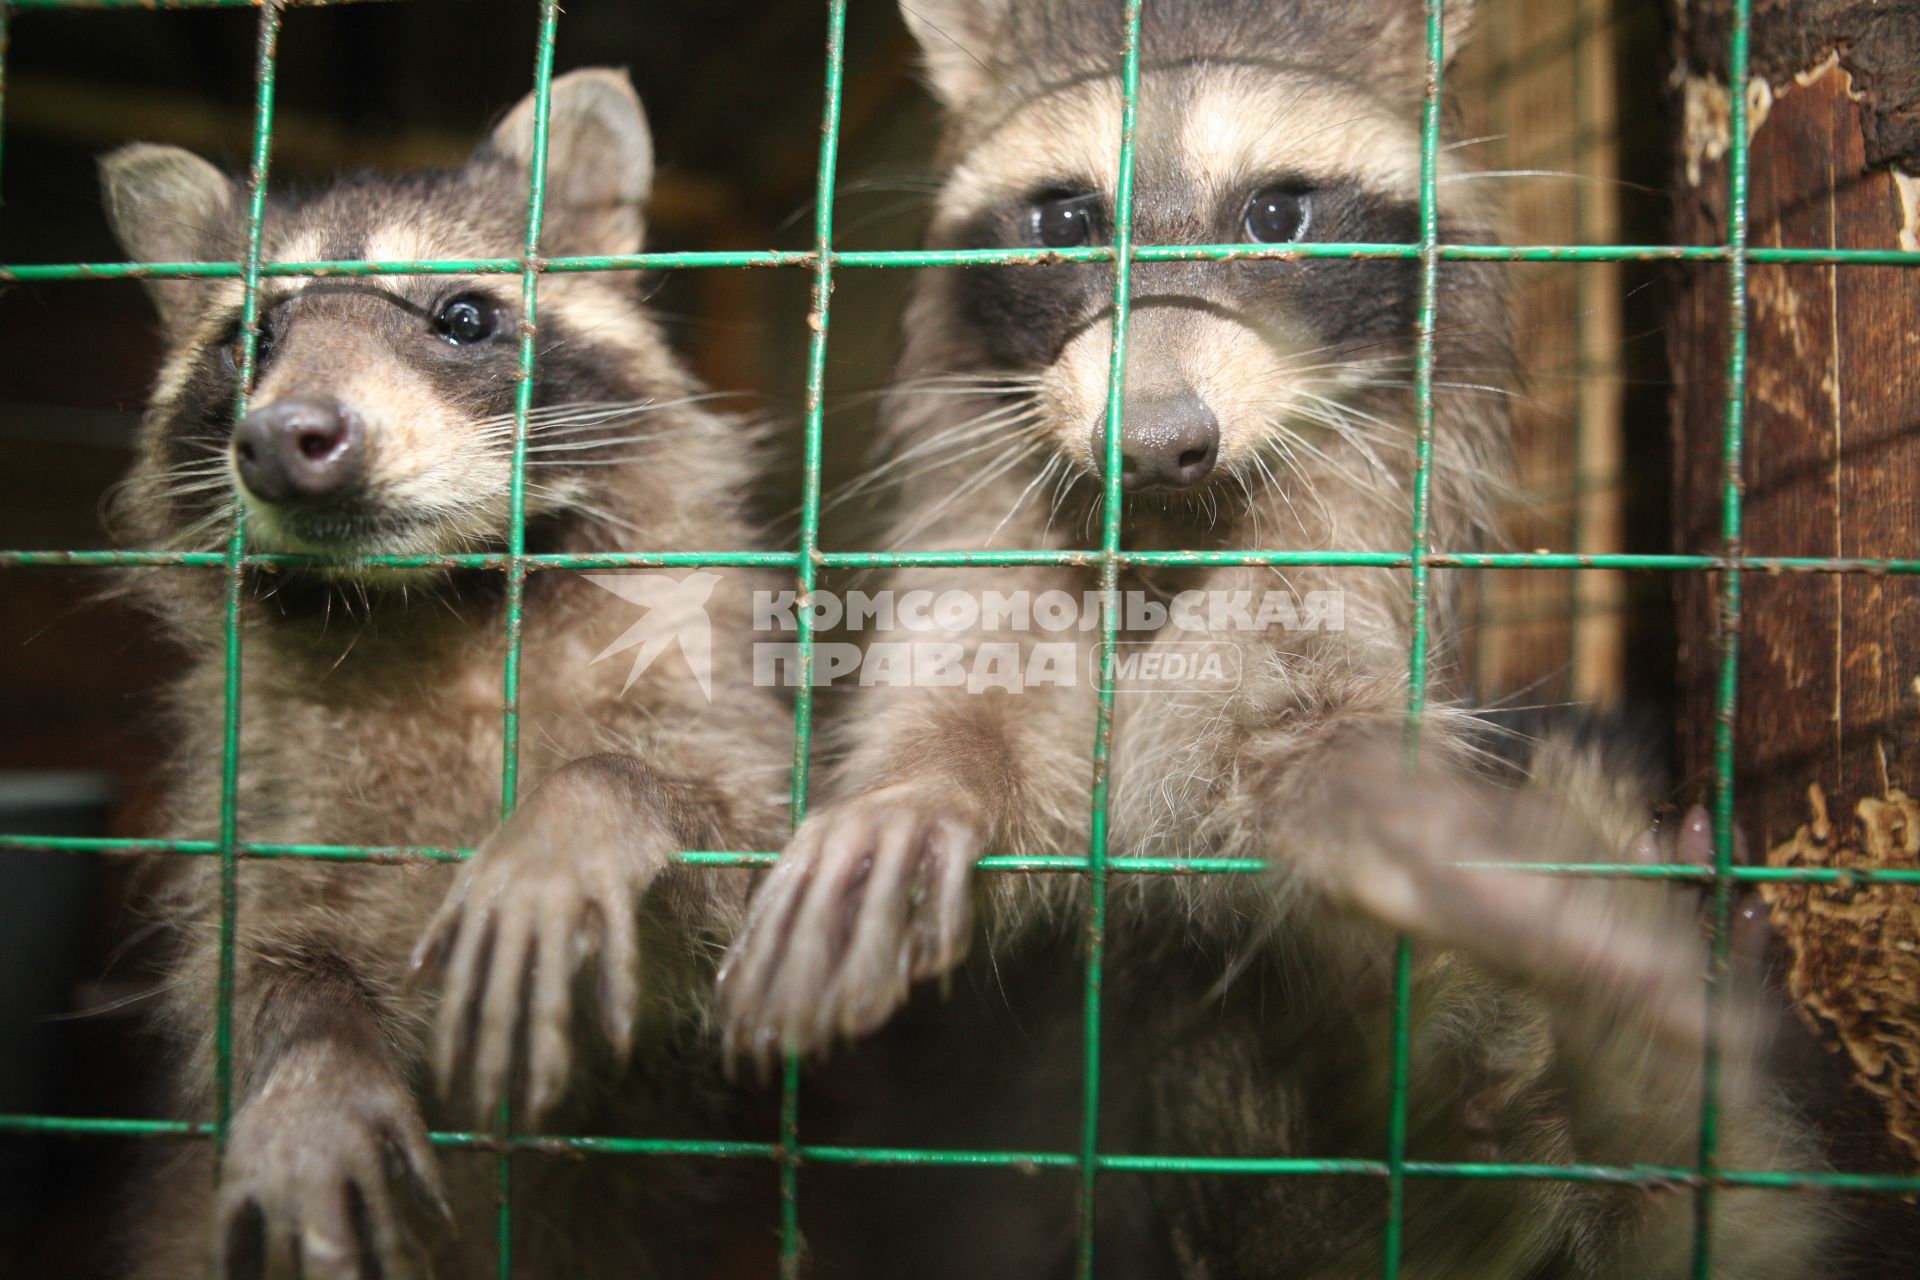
pixel 807 559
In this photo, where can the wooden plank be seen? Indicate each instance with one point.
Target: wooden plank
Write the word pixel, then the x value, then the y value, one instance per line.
pixel 1830 665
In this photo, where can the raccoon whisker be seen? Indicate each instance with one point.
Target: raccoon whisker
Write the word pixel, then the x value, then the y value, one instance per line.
pixel 995 377
pixel 1388 430
pixel 973 483
pixel 1472 388
pixel 1284 442
pixel 203 484
pixel 1339 373
pixel 1062 489
pixel 1000 396
pixel 1464 143
pixel 1341 418
pixel 362 630
pixel 613 442
pixel 1040 478
pixel 983 390
pixel 750 435
pixel 937 452
pixel 650 404
pixel 1274 486
pixel 994 424
pixel 173 492
pixel 1252 510
pixel 194 470
pixel 1448 384
pixel 573 412
pixel 951 450
pixel 211 460
pixel 1341 353
pixel 216 462
pixel 970 375
pixel 1000 379
pixel 624 460
pixel 980 436
pixel 881 214
pixel 977 481
pixel 1591 178
pixel 1339 427
pixel 573 503
pixel 919 184
pixel 188 537
pixel 1397 340
pixel 993 442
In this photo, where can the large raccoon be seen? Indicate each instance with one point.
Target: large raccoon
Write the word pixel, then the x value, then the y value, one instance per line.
pixel 382 422
pixel 1267 404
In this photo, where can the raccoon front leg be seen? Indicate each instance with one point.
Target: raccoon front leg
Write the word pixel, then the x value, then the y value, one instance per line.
pixel 327 1173
pixel 874 892
pixel 1327 795
pixel 554 893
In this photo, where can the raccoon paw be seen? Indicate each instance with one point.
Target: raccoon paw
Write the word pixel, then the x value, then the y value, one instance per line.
pixel 869 896
pixel 539 904
pixel 327 1175
pixel 1614 947
pixel 1689 840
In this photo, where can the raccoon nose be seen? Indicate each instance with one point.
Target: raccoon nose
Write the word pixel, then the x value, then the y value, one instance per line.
pixel 1168 443
pixel 299 450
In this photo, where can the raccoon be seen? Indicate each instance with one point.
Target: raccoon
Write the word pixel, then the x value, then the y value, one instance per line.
pixel 1268 403
pixel 567 966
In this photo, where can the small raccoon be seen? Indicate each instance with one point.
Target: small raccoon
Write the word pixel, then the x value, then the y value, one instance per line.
pixel 572 957
pixel 1268 404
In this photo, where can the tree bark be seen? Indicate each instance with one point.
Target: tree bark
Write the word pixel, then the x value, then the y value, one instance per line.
pixel 1828 716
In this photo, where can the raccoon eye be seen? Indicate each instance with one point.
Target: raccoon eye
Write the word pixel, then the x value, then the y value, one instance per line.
pixel 1277 215
pixel 1064 222
pixel 233 347
pixel 467 320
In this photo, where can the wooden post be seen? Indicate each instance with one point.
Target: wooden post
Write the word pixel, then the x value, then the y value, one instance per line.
pixel 1828 723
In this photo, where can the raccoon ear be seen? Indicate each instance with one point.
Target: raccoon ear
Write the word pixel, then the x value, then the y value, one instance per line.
pixel 956 38
pixel 167 205
pixel 1407 27
pixel 599 158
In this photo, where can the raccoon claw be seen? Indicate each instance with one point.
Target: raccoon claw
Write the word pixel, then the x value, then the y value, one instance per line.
pixel 869 896
pixel 311 1169
pixel 1689 841
pixel 531 911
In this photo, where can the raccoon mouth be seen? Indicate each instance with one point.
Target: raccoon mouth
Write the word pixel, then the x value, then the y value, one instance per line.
pixel 345 533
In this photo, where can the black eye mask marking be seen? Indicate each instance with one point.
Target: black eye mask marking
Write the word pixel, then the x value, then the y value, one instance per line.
pixel 1023 317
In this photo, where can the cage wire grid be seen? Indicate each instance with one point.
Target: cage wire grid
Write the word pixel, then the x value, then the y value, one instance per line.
pixel 807 559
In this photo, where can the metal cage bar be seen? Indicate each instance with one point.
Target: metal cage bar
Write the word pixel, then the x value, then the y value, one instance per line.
pixel 1705 1177
pixel 872 259
pixel 1726 694
pixel 516 570
pixel 1109 560
pixel 265 62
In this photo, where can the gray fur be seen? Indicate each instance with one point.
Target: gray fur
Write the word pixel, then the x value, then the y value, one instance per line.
pixel 1553 1020
pixel 567 965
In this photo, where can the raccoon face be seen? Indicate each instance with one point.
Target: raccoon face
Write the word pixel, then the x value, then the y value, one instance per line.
pixel 1259 124
pixel 381 415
